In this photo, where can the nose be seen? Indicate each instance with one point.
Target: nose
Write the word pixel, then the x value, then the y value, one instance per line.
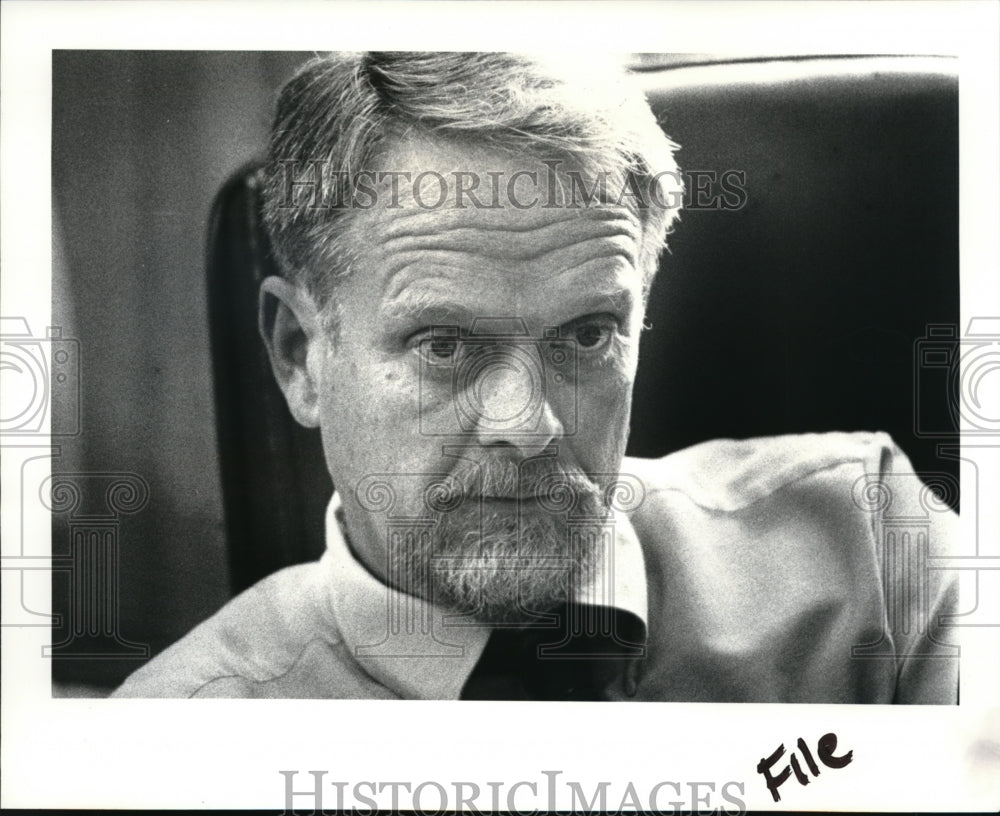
pixel 508 401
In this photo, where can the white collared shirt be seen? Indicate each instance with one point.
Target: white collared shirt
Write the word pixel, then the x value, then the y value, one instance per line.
pixel 786 569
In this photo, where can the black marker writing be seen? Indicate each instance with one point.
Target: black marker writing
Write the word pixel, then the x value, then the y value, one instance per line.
pixel 825 751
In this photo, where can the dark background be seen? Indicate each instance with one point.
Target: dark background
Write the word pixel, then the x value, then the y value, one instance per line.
pixel 798 312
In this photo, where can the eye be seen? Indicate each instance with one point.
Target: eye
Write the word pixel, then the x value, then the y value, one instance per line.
pixel 592 333
pixel 441 348
pixel 437 345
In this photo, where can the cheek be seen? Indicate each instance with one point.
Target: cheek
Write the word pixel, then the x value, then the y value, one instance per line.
pixel 605 405
pixel 368 412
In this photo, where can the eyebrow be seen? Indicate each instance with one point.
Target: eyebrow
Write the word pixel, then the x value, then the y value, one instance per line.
pixel 423 306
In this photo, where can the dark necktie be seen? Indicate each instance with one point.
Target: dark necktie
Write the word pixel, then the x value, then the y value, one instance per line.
pixel 587 653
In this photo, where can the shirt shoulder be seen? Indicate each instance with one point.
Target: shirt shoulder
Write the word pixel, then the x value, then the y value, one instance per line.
pixel 731 474
pixel 276 639
pixel 772 561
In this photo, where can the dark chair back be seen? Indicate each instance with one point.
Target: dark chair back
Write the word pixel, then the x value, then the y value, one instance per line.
pixel 275 485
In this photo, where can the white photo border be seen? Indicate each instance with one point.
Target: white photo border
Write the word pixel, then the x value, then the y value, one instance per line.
pixel 63 753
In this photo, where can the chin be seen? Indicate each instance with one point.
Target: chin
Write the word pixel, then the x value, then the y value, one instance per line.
pixel 501 566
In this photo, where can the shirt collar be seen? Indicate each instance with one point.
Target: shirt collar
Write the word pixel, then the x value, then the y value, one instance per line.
pixel 420 650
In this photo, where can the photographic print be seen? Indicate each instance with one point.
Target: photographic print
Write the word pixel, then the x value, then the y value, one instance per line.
pixel 422 390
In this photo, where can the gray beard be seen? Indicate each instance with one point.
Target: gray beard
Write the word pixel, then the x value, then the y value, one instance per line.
pixel 502 567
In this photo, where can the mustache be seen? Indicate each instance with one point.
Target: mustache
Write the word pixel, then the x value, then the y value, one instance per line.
pixel 546 482
pixel 544 479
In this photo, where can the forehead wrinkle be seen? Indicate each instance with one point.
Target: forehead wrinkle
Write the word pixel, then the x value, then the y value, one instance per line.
pixel 407 220
pixel 500 235
pixel 430 261
pixel 601 259
pixel 469 246
pixel 447 245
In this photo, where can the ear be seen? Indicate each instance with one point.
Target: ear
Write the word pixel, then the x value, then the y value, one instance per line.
pixel 288 321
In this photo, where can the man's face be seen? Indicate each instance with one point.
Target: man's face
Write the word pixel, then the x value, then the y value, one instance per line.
pixel 494 349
